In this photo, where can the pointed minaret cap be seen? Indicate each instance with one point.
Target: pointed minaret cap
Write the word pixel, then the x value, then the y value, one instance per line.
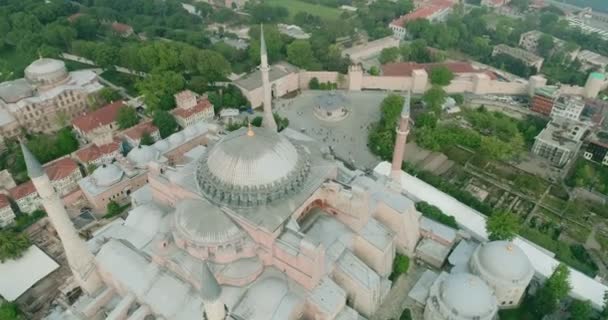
pixel 262 41
pixel 34 168
pixel 210 289
pixel 405 111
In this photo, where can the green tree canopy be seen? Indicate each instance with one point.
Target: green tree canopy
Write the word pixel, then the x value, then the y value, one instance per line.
pixel 158 89
pixel 580 310
pixel 434 99
pixel 300 53
pixel 502 226
pixel 127 117
pixel 441 76
pixel 146 139
pixel 552 292
pixel 12 245
pixel 165 122
pixel 388 55
pixel 10 311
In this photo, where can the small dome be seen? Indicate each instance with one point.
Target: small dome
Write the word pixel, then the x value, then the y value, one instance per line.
pixel 191 131
pixel 46 71
pixel 504 260
pixel 107 175
pixel 468 296
pixel 142 155
pixel 176 138
pixel 204 224
pixel 162 145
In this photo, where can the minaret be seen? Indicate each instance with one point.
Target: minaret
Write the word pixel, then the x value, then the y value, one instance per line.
pixel 80 259
pixel 268 121
pixel 210 292
pixel 401 139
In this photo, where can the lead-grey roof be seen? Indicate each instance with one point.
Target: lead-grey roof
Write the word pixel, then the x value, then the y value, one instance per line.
pixel 210 289
pixel 254 80
pixel 13 91
pixel 467 295
pixel 203 223
pixel 34 168
pixel 504 260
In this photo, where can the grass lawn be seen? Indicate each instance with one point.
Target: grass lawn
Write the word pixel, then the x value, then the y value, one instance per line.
pixel 295 6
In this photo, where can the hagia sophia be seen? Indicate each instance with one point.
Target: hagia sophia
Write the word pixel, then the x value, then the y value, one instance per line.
pixel 266 225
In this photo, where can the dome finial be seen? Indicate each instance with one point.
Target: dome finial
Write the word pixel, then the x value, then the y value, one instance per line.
pixel 250 132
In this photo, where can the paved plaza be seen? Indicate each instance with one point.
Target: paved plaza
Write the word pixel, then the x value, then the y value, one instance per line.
pixel 348 137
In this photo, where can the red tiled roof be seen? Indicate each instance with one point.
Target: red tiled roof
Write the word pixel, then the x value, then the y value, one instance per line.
pixel 202 105
pixel 137 131
pixel 100 117
pixel 4 201
pixel 423 12
pixel 60 169
pixel 405 69
pixel 75 17
pixel 94 152
pixel 22 190
pixel 121 27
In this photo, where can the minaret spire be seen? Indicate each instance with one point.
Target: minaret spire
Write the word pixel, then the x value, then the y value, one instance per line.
pixel 401 140
pixel 268 121
pixel 80 259
pixel 210 292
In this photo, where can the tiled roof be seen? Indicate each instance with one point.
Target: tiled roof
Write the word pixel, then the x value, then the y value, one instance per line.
pixel 100 117
pixel 60 169
pixel 121 27
pixel 94 152
pixel 404 69
pixel 202 105
pixel 4 201
pixel 137 131
pixel 423 12
pixel 22 190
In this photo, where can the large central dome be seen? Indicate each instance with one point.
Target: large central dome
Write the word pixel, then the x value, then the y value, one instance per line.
pixel 251 167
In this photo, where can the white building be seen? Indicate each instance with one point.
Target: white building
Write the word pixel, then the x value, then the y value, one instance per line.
pixel 48 96
pixel 7 216
pixel 529 58
pixel 569 107
pixel 433 11
pixel 192 108
pixel 559 141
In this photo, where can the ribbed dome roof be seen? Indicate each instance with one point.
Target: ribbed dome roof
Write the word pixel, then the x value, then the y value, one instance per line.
pixel 107 175
pixel 204 224
pixel 261 159
pixel 142 155
pixel 250 163
pixel 504 260
pixel 468 296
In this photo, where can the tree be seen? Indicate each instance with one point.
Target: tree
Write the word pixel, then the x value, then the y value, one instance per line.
pixel 441 76
pixel 502 226
pixel 426 120
pixel 545 45
pixel 127 117
pixel 580 310
pixel 146 139
pixel 158 89
pixel 388 55
pixel 114 209
pixel 313 84
pixel 10 311
pixel 374 71
pixel 552 292
pixel 434 99
pixel 12 245
pixel 108 95
pixel 300 53
pixel 165 122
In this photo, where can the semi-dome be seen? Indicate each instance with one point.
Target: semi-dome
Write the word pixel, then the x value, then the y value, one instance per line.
pixel 468 296
pixel 46 71
pixel 204 224
pixel 251 167
pixel 142 155
pixel 107 175
pixel 504 260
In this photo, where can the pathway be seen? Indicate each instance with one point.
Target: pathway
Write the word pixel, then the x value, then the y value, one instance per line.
pixel 396 300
